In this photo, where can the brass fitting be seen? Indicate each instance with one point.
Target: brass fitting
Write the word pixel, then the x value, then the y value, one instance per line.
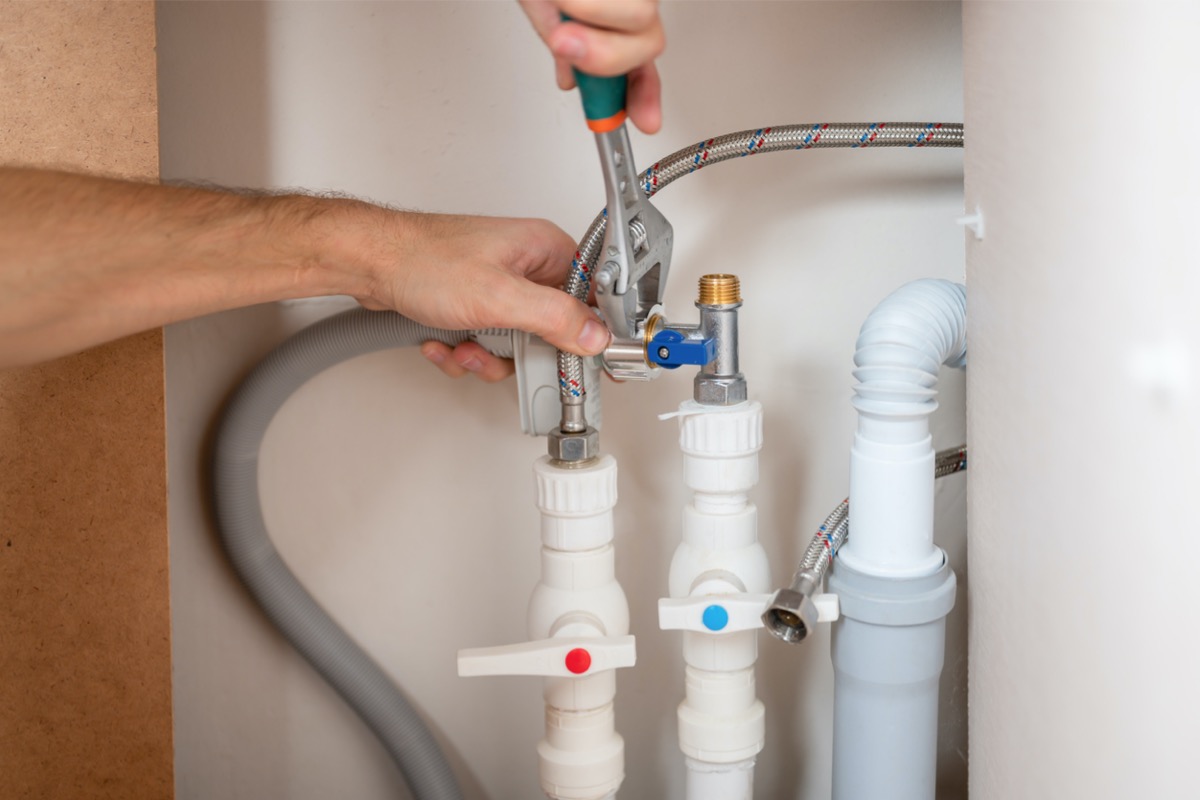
pixel 720 383
pixel 720 290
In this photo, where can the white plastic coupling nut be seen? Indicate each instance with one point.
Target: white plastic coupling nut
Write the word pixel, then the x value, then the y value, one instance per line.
pixel 566 657
pixel 720 446
pixel 721 721
pixel 720 431
pixel 582 756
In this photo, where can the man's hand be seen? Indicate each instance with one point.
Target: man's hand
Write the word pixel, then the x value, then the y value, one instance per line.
pixel 606 37
pixel 480 272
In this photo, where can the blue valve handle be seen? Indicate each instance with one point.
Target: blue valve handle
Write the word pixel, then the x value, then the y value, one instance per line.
pixel 670 350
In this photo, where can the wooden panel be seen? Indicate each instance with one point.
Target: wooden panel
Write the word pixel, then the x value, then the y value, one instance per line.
pixel 85 700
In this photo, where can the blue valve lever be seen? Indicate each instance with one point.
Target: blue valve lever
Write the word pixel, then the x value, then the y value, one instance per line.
pixel 671 349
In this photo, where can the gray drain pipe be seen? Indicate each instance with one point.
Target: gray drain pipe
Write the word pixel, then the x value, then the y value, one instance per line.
pixel 347 668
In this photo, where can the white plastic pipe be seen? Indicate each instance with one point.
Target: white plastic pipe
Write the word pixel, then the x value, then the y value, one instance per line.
pixel 582 756
pixel 720 781
pixel 903 342
pixel 578 625
pixel 721 721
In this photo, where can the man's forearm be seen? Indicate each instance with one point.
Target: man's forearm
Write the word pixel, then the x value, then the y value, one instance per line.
pixel 85 260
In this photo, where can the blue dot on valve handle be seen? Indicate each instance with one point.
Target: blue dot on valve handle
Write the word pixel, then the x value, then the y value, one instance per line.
pixel 715 618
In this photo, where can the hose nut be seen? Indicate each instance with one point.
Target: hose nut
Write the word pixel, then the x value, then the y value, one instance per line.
pixel 790 616
pixel 573 449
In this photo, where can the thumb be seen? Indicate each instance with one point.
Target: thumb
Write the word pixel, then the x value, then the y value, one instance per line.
pixel 559 318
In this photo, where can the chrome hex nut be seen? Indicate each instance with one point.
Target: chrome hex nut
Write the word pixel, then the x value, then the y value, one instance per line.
pixel 720 391
pixel 574 448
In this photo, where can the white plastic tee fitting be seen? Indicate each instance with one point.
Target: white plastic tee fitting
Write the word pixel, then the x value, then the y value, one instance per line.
pixel 578 621
pixel 718 582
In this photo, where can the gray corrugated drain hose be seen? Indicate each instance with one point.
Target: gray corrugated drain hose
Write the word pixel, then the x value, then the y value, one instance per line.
pixel 355 676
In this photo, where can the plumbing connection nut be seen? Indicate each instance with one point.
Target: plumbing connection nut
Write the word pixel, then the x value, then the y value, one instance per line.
pixel 712 390
pixel 574 448
pixel 791 615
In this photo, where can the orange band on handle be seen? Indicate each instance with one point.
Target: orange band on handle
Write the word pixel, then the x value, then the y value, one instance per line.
pixel 608 123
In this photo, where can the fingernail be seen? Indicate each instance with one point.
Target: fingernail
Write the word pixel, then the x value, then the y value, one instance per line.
pixel 473 364
pixel 435 355
pixel 570 47
pixel 594 337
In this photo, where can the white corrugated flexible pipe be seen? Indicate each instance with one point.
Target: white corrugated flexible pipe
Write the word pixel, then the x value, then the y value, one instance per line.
pixel 902 344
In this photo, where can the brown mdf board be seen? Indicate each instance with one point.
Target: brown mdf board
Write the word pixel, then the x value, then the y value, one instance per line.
pixel 85 670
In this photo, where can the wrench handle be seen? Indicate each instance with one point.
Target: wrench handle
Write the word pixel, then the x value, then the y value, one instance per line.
pixel 603 98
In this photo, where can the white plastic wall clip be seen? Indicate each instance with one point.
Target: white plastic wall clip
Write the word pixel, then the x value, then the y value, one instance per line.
pixel 972 222
pixel 566 657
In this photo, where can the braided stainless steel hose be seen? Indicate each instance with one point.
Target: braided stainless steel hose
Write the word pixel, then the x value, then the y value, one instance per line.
pixel 790 614
pixel 948 462
pixel 825 542
pixel 854 135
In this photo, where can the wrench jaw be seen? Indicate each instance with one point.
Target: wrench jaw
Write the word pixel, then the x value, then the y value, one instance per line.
pixel 636 254
pixel 624 311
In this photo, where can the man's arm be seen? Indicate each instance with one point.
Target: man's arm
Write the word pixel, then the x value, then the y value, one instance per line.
pixel 84 260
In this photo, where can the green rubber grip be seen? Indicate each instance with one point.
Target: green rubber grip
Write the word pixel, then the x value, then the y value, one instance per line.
pixel 603 98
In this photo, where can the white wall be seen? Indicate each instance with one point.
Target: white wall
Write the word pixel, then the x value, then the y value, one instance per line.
pixel 403 499
pixel 1084 338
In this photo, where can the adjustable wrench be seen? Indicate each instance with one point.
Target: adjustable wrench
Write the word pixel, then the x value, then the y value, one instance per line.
pixel 633 263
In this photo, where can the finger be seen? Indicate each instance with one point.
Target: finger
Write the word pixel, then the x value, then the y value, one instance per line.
pixel 564 75
pixel 605 53
pixel 440 354
pixel 552 314
pixel 630 16
pixel 645 99
pixel 482 364
pixel 543 15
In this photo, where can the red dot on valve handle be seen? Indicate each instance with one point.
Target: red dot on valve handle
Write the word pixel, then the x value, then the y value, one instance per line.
pixel 578 661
